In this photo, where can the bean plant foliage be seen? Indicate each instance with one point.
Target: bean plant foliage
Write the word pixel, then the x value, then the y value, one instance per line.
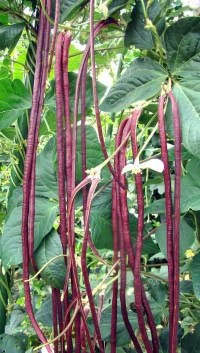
pixel 100 188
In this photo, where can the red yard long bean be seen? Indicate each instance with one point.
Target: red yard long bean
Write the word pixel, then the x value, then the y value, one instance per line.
pixel 94 184
pixel 54 318
pixel 176 220
pixel 29 172
pixel 60 140
pixel 138 290
pixel 168 210
pixel 55 29
pixel 123 131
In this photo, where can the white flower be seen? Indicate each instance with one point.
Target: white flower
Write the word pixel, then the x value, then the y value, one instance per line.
pixel 193 4
pixel 154 164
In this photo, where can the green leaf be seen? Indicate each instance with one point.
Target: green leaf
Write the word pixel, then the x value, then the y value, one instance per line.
pixel 157 207
pixel 186 287
pixel 136 34
pixel 44 313
pixel 187 237
pixel 9 132
pixel 55 272
pixel 157 290
pixel 75 57
pixel 46 179
pixel 100 220
pixel 164 340
pixel 116 5
pixel 195 270
pixel 122 334
pixel 50 100
pixel 140 82
pixel 182 41
pixel 193 169
pixel 68 7
pixel 190 194
pixel 17 315
pixel 45 215
pixel 101 224
pixel 48 123
pixel 3 303
pixel 187 93
pixel 94 153
pixel 14 99
pixel 14 344
pixel 9 35
pixel 191 342
pixel 159 310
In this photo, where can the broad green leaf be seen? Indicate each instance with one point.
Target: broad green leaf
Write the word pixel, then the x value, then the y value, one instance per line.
pixel 14 200
pixel 140 82
pixel 100 220
pixel 187 93
pixel 16 317
pixel 191 342
pixel 190 194
pixel 48 123
pixel 164 340
pixel 45 215
pixel 136 34
pixel 94 153
pixel 3 18
pixel 193 169
pixel 50 99
pixel 9 133
pixel 116 5
pixel 122 334
pixel 14 99
pixel 68 7
pixel 9 35
pixel 55 272
pixel 118 349
pixel 187 237
pixel 157 290
pixel 159 310
pixel 157 207
pixel 13 343
pixel 101 224
pixel 46 179
pixel 44 313
pixel 6 69
pixel 186 287
pixel 18 67
pixel 182 41
pixel 195 270
pixel 75 57
pixel 105 324
pixel 3 303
